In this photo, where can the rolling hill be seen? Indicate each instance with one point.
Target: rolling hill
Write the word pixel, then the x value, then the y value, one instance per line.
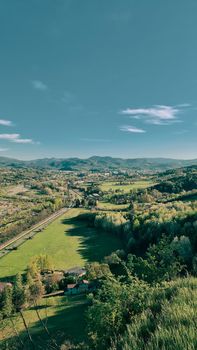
pixel 100 163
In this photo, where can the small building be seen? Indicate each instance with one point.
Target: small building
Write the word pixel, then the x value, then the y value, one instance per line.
pixel 77 288
pixel 76 271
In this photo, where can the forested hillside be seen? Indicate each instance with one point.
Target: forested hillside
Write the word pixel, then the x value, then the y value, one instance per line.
pixel 96 163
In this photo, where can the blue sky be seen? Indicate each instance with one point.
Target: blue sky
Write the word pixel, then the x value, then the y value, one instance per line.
pixel 98 77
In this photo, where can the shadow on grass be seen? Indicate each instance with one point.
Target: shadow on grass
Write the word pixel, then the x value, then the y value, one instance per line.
pixel 95 244
pixel 67 324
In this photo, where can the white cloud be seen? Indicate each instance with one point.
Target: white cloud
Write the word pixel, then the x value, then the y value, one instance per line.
pixel 3 149
pixel 157 115
pixel 16 138
pixel 9 137
pixel 39 85
pixel 5 122
pixel 130 128
pixel 23 140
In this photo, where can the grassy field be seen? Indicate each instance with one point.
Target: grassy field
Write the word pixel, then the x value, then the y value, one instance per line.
pixel 110 206
pixel 69 242
pixel 107 186
pixel 62 315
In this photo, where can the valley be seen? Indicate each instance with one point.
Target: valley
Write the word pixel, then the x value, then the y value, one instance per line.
pixel 114 233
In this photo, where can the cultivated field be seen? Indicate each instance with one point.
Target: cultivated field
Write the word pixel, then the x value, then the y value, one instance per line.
pixel 67 241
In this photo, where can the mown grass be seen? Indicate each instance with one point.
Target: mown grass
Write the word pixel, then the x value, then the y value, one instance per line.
pixel 107 186
pixel 110 206
pixel 61 315
pixel 69 242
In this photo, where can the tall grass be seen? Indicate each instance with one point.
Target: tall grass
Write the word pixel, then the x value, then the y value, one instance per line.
pixel 172 326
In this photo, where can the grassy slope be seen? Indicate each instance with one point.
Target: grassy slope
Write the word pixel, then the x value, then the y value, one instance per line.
pixel 106 186
pixel 174 328
pixel 69 242
pixel 62 315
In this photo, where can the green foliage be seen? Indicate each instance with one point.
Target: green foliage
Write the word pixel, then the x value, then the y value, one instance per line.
pixel 97 271
pixel 6 304
pixel 19 296
pixel 113 306
pixel 160 263
pixel 112 222
pixel 43 263
pixel 174 326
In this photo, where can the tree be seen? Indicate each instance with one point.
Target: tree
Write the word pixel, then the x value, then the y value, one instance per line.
pixel 6 302
pixel 160 263
pixel 183 247
pixel 114 305
pixel 97 271
pixel 42 263
pixel 19 301
pixel 19 297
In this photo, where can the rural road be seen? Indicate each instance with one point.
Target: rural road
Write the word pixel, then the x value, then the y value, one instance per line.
pixel 33 228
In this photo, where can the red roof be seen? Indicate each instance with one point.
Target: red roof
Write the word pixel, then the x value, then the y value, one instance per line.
pixel 71 286
pixel 3 285
pixel 85 282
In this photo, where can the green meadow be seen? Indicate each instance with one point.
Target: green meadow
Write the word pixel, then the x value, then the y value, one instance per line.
pixel 68 241
pixel 110 206
pixel 107 186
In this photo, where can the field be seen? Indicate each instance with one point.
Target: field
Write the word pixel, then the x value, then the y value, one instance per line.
pixel 67 241
pixel 116 186
pixel 62 315
pixel 110 206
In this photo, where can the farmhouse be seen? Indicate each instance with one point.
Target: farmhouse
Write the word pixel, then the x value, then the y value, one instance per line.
pixel 77 288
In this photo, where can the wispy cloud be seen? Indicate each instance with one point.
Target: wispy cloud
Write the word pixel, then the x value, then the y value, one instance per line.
pixel 5 122
pixel 68 97
pixel 132 129
pixel 4 149
pixel 156 115
pixel 39 85
pixel 16 138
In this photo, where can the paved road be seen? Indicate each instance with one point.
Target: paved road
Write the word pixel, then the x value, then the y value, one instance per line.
pixel 31 230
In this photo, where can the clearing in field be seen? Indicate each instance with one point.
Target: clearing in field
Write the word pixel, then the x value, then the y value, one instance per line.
pixel 69 242
pixel 126 188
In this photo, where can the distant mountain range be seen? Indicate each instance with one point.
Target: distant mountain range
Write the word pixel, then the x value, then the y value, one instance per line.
pixel 100 163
